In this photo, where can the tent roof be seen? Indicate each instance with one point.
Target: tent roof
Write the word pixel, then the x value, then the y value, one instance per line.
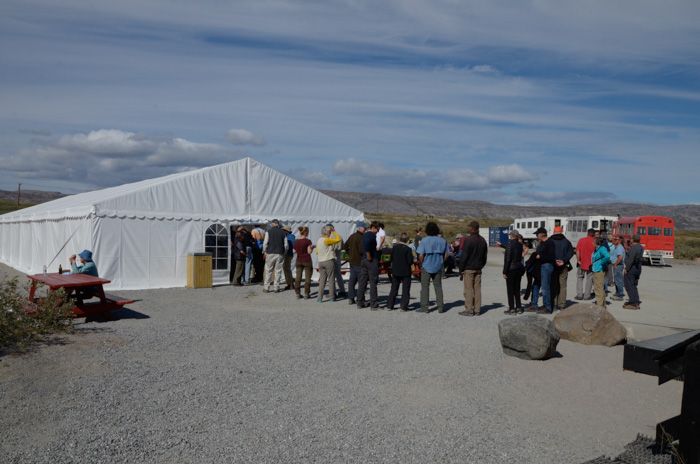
pixel 243 191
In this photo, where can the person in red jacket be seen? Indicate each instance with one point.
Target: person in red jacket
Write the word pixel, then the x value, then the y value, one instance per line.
pixel 584 254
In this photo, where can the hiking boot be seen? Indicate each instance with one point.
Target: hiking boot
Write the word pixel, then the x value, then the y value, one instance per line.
pixel 352 301
pixel 630 306
pixel 341 294
pixel 441 310
pixel 616 298
pixel 299 296
pixel 519 310
pixel 510 312
pixel 543 311
pixel 577 297
pixel 530 309
pixel 466 313
pixel 423 310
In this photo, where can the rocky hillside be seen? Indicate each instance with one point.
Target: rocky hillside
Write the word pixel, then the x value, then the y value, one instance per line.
pixel 30 196
pixel 687 217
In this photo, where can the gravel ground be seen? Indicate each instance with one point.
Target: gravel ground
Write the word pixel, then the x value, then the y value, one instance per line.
pixel 235 375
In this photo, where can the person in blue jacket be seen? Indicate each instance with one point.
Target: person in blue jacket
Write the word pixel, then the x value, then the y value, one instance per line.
pixel 601 259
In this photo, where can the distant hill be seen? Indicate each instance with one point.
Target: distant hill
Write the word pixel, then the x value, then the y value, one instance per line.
pixel 687 217
pixel 30 196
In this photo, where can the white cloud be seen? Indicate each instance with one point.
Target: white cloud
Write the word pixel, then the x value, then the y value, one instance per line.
pixel 244 137
pixel 510 174
pixel 110 157
pixel 354 174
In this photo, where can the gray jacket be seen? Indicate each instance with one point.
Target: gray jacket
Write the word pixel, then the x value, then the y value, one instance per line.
pixel 633 260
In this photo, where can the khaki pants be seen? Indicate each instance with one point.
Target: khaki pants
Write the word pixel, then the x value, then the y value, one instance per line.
pixel 472 291
pixel 287 266
pixel 561 274
pixel 273 262
pixel 599 288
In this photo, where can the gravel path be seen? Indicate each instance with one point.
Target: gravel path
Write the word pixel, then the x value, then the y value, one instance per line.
pixel 235 375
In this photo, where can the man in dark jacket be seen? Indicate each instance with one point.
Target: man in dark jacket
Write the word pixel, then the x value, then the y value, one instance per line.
pixel 471 262
pixel 401 262
pixel 563 252
pixel 353 247
pixel 513 272
pixel 633 269
pixel 545 253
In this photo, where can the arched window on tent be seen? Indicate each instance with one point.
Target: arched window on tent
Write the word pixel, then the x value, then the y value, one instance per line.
pixel 216 242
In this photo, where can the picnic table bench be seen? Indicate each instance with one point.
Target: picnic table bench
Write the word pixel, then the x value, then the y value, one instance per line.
pixel 73 284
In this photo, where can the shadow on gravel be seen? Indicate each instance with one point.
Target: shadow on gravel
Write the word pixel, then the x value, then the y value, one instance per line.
pixel 487 308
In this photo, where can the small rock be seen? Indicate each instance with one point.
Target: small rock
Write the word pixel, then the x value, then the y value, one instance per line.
pixel 589 324
pixel 528 337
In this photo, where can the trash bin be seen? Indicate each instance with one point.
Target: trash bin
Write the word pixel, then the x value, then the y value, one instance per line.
pixel 199 270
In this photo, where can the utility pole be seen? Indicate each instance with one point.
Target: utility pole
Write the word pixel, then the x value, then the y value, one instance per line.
pixel 19 186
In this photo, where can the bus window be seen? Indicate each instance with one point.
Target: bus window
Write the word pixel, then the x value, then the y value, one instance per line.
pixel 594 224
pixel 668 232
pixel 654 231
pixel 541 223
pixel 557 222
pixel 529 224
pixel 641 230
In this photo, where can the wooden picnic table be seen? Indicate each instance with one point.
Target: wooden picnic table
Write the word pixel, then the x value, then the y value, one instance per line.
pixel 71 283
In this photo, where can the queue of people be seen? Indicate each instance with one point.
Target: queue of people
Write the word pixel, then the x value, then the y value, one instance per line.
pixel 599 263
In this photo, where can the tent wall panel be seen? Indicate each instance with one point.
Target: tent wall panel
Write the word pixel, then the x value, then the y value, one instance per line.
pixel 141 233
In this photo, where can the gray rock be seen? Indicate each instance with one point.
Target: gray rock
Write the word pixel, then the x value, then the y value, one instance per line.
pixel 589 324
pixel 528 337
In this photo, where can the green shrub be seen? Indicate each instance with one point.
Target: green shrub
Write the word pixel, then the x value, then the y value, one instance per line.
pixel 23 322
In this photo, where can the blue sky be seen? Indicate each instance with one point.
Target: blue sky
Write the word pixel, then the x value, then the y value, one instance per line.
pixel 522 102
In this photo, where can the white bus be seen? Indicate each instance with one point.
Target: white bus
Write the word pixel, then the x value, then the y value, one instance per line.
pixel 577 227
pixel 528 226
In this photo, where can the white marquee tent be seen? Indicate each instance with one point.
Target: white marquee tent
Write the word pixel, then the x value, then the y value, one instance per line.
pixel 141 233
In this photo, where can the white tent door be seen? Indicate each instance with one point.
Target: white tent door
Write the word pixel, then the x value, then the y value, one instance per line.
pixel 216 242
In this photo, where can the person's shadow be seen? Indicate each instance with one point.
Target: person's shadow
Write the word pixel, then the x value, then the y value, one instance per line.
pixel 487 308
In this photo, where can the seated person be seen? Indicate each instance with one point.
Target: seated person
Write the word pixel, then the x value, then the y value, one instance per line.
pixel 87 267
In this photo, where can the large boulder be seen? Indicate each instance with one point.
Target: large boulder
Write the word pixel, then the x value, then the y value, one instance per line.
pixel 589 324
pixel 528 337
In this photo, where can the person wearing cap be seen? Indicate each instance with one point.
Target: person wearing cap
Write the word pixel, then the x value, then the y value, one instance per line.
pixel 617 259
pixel 338 262
pixel 401 262
pixel 87 265
pixel 513 272
pixel 563 252
pixel 353 247
pixel 471 262
pixel 369 273
pixel 274 247
pixel 545 253
pixel 288 257
pixel 584 251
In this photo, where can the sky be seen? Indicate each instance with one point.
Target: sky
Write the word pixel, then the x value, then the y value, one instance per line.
pixel 541 102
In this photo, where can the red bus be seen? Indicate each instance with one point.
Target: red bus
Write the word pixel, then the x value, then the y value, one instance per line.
pixel 657 234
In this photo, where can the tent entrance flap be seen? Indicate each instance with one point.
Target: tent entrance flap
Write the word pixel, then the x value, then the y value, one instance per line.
pixel 216 242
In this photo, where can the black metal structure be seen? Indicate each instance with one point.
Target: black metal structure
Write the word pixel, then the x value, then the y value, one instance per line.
pixel 671 357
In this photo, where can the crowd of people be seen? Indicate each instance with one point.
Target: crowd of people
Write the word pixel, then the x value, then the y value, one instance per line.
pixel 263 256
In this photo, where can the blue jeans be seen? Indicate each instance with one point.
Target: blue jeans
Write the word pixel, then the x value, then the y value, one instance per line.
pixel 618 272
pixel 546 278
pixel 248 260
pixel 535 298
